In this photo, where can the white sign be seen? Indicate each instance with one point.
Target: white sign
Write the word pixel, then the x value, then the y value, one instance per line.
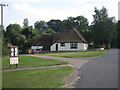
pixel 14 60
pixel 16 51
pixel 101 48
pixel 36 47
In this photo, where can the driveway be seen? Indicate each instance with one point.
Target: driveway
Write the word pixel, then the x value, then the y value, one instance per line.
pixel 101 72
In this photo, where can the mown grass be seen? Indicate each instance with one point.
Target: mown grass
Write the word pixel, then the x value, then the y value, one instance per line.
pixel 76 54
pixel 30 61
pixel 38 78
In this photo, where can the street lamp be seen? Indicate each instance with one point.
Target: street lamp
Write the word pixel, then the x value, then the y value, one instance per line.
pixel 2 5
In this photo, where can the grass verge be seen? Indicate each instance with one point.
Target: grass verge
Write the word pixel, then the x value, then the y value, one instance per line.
pixel 30 61
pixel 76 54
pixel 38 78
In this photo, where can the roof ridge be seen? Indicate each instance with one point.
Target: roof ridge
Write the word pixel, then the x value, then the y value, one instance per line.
pixel 79 34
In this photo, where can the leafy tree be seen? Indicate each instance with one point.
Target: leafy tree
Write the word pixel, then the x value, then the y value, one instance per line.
pixel 27 35
pixel 50 31
pixel 103 27
pixel 28 32
pixel 79 22
pixel 56 25
pixel 12 32
pixel 25 22
pixel 69 23
pixel 40 25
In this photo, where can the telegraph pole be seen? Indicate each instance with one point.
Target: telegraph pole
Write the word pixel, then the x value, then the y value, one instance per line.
pixel 2 5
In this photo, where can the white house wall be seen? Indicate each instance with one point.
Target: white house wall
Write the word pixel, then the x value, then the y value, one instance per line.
pixel 53 47
pixel 81 47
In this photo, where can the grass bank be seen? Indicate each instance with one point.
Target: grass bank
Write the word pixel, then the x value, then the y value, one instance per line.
pixel 39 78
pixel 30 61
pixel 75 54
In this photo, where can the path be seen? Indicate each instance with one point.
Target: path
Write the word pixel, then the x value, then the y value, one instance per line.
pixel 72 61
pixel 36 67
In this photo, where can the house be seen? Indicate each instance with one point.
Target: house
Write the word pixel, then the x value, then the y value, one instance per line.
pixel 67 41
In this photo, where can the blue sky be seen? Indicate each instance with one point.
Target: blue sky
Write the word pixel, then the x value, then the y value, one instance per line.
pixel 36 10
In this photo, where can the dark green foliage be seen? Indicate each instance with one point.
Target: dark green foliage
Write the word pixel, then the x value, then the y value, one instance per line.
pixel 50 31
pixel 22 37
pixel 28 35
pixel 104 28
pixel 28 32
pixel 56 25
pixel 79 22
pixel 40 25
pixel 12 31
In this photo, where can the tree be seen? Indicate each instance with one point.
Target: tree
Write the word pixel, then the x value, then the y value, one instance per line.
pixel 56 25
pixel 28 32
pixel 25 22
pixel 50 31
pixel 12 32
pixel 40 25
pixel 28 36
pixel 79 22
pixel 103 27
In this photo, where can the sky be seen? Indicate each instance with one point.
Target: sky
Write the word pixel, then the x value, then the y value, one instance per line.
pixel 36 10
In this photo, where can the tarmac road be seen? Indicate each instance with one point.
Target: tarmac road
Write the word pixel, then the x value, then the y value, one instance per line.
pixel 101 72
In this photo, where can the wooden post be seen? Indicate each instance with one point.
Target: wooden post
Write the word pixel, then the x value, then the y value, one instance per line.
pixel 16 65
pixel 10 65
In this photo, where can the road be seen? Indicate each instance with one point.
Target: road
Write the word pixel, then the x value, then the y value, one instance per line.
pixel 101 72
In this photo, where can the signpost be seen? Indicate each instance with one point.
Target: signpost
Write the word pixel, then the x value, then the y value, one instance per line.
pixel 13 55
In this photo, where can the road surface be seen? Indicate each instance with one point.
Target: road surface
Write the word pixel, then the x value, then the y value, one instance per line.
pixel 101 72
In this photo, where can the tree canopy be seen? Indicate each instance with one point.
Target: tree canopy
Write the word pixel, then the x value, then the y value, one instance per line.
pixel 103 27
pixel 103 30
pixel 55 25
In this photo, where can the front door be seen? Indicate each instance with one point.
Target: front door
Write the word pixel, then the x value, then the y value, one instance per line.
pixel 56 47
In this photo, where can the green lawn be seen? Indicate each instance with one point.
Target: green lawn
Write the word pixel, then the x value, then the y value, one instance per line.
pixel 30 61
pixel 75 54
pixel 38 78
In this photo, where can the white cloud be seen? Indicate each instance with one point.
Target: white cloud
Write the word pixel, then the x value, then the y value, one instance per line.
pixel 80 7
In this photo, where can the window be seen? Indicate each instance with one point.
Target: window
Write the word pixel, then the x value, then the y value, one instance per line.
pixel 73 45
pixel 62 44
